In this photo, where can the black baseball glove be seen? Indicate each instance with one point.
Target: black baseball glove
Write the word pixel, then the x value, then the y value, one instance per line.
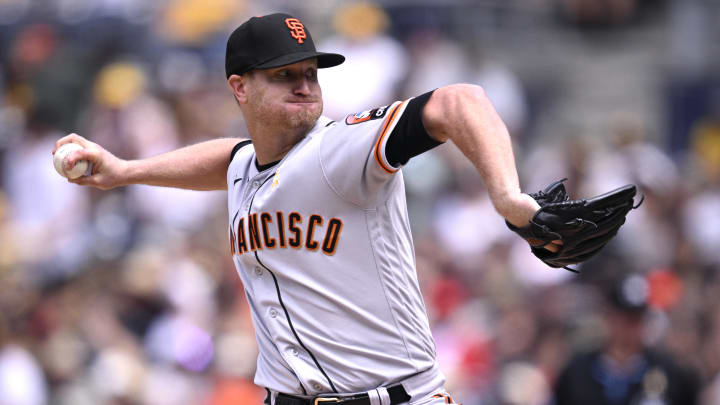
pixel 584 226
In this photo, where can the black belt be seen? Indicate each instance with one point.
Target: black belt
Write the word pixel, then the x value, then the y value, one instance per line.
pixel 397 393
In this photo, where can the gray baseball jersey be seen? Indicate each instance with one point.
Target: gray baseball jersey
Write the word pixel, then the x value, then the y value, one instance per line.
pixel 322 243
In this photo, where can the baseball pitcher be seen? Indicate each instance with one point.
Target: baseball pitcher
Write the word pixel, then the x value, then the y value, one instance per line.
pixel 318 227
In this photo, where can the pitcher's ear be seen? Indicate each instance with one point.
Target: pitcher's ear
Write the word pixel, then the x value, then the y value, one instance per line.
pixel 238 85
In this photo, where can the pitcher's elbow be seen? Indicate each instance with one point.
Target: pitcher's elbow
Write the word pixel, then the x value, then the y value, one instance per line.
pixel 446 106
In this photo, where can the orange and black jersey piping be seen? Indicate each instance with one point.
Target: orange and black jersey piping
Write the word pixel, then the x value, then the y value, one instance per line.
pixel 409 138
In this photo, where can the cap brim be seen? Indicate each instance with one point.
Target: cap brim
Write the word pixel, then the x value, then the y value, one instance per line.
pixel 325 60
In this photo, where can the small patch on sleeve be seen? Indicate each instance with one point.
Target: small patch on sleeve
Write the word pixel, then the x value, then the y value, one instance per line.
pixel 367 115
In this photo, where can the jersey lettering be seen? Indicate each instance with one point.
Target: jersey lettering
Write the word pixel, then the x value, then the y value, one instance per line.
pixel 242 245
pixel 254 234
pixel 281 229
pixel 232 241
pixel 295 241
pixel 331 236
pixel 264 219
pixel 366 115
pixel 260 235
pixel 310 244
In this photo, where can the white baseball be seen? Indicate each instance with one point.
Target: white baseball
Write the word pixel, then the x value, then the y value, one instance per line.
pixel 59 160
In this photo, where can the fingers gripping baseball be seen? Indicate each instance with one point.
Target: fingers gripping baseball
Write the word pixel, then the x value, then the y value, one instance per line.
pixel 107 169
pixel 72 138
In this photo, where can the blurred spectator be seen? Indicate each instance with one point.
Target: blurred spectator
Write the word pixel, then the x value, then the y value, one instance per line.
pixel 21 378
pixel 599 13
pixel 51 213
pixel 42 71
pixel 375 62
pixel 507 94
pixel 701 223
pixel 466 224
pixel 625 370
pixel 435 61
pixel 194 22
pixel 701 214
pixel 650 239
pixel 535 390
pixel 134 123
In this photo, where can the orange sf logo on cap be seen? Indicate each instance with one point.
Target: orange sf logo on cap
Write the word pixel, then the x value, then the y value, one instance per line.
pixel 297 29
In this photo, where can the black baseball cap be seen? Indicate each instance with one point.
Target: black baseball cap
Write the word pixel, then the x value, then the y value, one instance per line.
pixel 271 41
pixel 631 294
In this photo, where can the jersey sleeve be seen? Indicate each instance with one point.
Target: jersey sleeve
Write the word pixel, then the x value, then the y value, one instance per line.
pixel 354 153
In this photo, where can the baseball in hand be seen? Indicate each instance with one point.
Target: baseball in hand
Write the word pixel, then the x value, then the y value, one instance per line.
pixel 60 161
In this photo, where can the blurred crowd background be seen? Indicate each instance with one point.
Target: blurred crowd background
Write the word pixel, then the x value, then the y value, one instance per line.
pixel 130 296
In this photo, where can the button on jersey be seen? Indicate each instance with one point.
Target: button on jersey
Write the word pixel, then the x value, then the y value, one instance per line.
pixel 322 243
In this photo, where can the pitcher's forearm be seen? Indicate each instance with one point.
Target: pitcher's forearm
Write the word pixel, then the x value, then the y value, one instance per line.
pixel 202 166
pixel 463 114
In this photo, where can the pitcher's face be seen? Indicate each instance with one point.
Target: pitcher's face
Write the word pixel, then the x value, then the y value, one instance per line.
pixel 289 95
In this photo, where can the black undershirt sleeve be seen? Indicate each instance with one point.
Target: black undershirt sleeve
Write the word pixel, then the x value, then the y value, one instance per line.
pixel 409 137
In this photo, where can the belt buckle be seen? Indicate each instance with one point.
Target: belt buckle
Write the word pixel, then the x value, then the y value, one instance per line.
pixel 318 400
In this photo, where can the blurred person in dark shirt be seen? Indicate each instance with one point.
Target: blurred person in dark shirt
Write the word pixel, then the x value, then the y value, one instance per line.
pixel 625 370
